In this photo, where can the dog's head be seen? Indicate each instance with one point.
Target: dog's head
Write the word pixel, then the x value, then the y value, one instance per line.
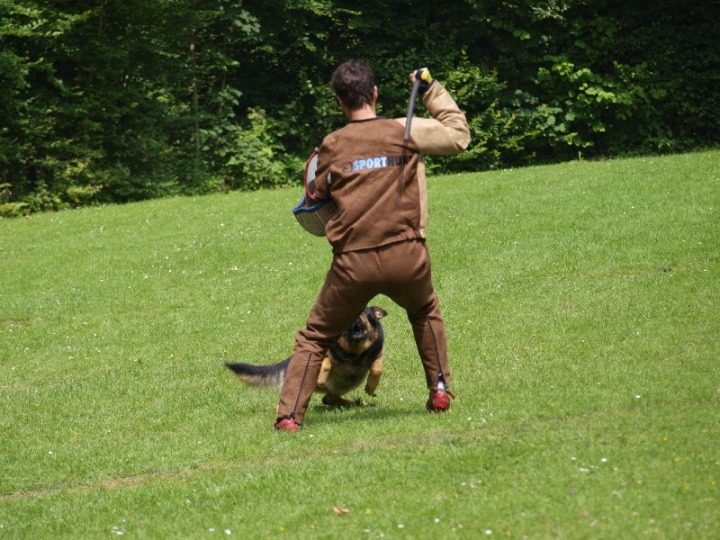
pixel 363 332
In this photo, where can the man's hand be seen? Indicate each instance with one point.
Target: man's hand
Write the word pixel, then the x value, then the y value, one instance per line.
pixel 422 75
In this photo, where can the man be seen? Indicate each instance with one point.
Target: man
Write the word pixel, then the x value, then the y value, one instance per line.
pixel 377 181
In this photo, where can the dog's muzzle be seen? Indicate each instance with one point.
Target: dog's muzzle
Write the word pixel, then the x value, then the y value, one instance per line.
pixel 358 331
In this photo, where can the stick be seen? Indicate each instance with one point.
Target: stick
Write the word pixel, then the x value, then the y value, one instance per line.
pixel 411 107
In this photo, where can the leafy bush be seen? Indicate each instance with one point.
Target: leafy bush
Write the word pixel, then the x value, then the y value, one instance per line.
pixel 248 157
pixel 126 100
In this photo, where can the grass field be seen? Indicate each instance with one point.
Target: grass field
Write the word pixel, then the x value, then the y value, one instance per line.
pixel 582 304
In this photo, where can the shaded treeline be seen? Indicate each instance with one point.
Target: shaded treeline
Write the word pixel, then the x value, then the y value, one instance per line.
pixel 121 100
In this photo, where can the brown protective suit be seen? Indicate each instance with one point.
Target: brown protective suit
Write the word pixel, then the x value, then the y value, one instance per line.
pixel 377 181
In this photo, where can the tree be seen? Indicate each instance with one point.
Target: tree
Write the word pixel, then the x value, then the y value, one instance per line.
pixel 121 100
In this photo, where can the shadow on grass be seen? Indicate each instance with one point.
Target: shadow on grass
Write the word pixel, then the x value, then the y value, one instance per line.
pixel 372 411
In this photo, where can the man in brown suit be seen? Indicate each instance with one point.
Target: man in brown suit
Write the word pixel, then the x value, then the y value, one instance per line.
pixel 376 179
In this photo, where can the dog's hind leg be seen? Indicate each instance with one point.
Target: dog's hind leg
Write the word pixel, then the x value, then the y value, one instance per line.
pixel 334 400
pixel 373 379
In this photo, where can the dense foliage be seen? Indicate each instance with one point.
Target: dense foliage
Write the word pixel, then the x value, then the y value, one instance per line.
pixel 121 100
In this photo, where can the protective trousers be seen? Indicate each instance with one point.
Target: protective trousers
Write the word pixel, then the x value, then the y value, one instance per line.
pixel 400 271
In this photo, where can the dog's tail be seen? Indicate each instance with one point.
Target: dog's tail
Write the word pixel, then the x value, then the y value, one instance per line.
pixel 252 375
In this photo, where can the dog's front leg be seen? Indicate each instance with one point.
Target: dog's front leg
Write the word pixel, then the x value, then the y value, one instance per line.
pixel 373 379
pixel 324 371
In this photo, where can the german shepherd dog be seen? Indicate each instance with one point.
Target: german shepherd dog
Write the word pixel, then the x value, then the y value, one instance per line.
pixel 357 354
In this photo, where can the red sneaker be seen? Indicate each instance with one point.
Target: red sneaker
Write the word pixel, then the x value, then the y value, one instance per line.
pixel 439 401
pixel 287 424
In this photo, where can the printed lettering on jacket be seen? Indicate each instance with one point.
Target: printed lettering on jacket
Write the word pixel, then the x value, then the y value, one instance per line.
pixel 370 163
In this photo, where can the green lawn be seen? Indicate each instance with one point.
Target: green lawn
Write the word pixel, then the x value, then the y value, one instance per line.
pixel 582 304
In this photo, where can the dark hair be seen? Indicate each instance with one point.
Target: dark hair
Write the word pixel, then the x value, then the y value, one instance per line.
pixel 354 84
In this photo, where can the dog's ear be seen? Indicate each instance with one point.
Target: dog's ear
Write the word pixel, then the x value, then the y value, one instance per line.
pixel 378 312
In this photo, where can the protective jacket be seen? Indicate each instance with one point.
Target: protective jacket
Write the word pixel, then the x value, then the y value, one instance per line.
pixel 377 180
